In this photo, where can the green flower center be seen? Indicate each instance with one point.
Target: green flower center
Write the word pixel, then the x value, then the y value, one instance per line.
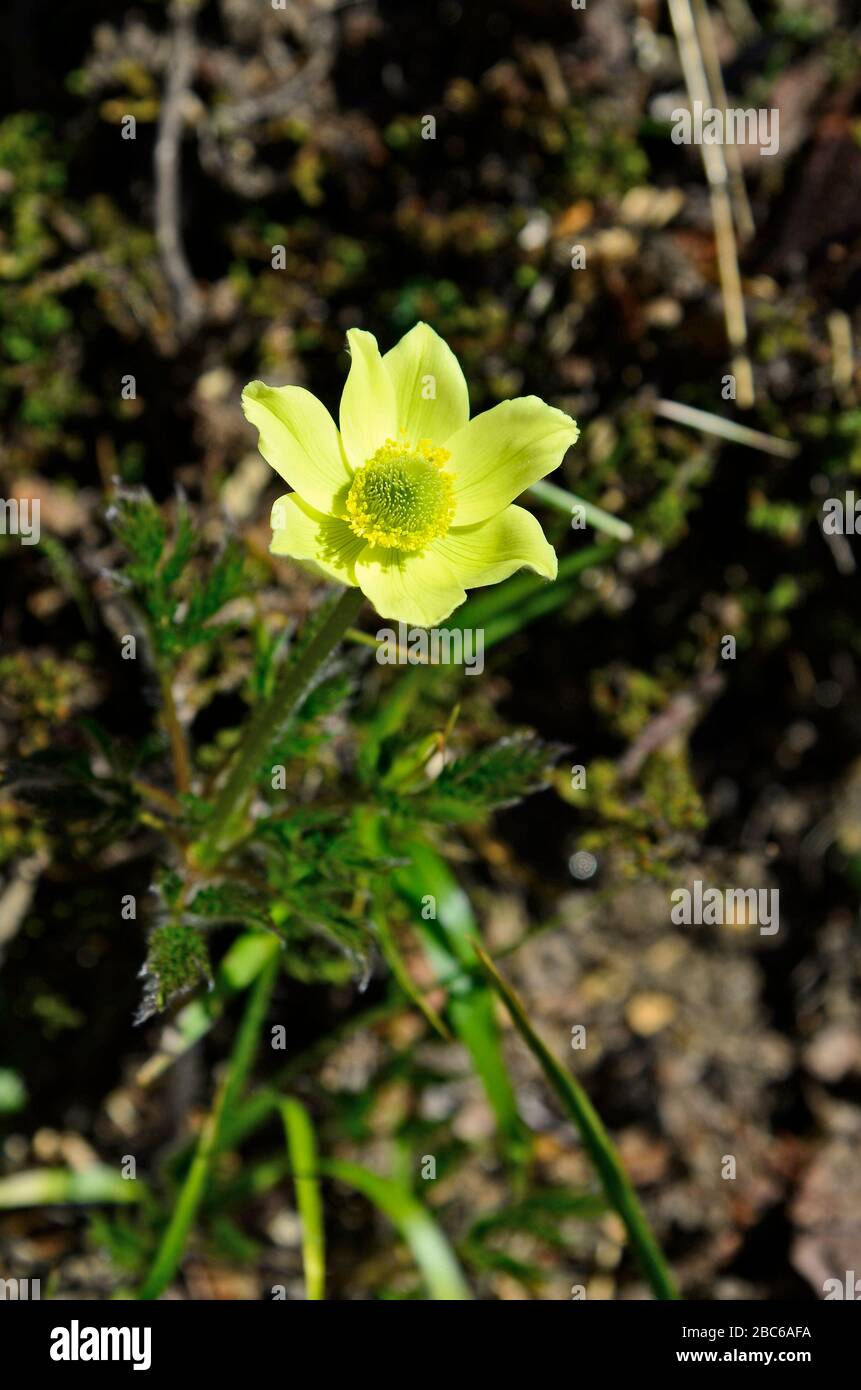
pixel 401 499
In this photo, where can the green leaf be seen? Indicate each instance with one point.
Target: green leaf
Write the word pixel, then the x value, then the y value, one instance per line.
pixel 137 523
pixel 182 549
pixel 244 960
pixel 231 902
pixel 177 602
pixel 596 1140
pixel 302 1148
pixel 122 1236
pixel 193 1188
pixel 533 1212
pixel 431 1250
pixel 489 778
pixel 71 801
pixel 448 941
pixel 484 1257
pixel 396 963
pixel 48 1187
pixel 177 960
pixel 13 1092
pixel 225 580
pixel 504 609
pixel 299 741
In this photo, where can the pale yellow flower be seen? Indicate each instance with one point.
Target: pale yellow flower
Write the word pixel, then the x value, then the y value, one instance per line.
pixel 410 500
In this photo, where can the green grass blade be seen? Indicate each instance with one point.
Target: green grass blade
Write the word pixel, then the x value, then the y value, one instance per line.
pixel 302 1149
pixel 595 1138
pixel 537 1209
pixel 398 967
pixel 501 610
pixel 430 1248
pixel 506 608
pixel 48 1187
pixel 191 1193
pixel 449 944
pixel 562 501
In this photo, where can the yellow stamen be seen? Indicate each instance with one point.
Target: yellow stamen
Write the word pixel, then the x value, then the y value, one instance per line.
pixel 401 498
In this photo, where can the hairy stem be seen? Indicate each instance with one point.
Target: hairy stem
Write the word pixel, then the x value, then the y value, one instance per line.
pixel 178 746
pixel 271 718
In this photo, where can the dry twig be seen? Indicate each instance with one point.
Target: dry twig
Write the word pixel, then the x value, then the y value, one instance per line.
pixel 187 297
pixel 715 167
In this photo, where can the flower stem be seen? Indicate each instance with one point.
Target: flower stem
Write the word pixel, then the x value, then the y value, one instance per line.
pixel 271 718
pixel 178 746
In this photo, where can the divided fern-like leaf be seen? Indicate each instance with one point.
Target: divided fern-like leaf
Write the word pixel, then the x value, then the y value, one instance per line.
pixel 137 523
pixel 231 902
pixel 490 778
pixel 178 603
pixel 177 960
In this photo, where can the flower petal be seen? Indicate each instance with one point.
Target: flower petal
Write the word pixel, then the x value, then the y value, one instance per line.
pixel 407 587
pixel 368 413
pixel 323 542
pixel 500 453
pixel 492 550
pixel 298 438
pixel 420 366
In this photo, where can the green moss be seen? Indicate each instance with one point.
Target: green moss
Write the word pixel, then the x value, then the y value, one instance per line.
pixel 643 826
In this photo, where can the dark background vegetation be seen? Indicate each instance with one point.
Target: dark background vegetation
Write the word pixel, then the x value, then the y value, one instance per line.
pixel 302 128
